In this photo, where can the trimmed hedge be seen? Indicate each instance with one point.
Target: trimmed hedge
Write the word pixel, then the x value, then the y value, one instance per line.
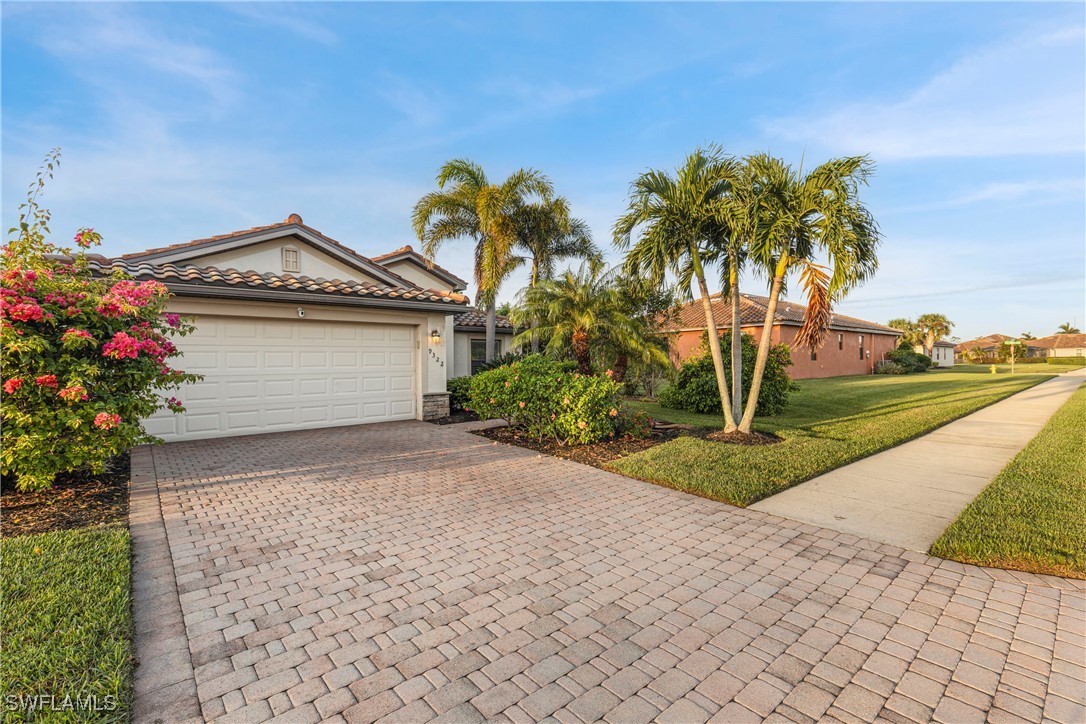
pixel 547 399
pixel 459 389
pixel 909 360
pixel 1069 361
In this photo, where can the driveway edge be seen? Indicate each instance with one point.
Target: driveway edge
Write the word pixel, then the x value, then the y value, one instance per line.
pixel 164 687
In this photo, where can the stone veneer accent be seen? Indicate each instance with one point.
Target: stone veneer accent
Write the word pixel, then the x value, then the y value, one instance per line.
pixel 435 405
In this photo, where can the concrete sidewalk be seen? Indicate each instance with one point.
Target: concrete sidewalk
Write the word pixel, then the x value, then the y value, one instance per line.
pixel 909 494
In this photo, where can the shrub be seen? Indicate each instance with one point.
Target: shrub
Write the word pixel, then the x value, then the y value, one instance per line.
pixel 85 358
pixel 889 367
pixel 459 388
pixel 500 361
pixel 546 399
pixel 911 361
pixel 695 386
pixel 1072 361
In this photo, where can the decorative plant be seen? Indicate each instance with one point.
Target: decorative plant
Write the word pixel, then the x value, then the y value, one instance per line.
pixel 85 357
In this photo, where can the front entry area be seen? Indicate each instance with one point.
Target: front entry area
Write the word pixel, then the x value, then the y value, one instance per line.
pixel 269 375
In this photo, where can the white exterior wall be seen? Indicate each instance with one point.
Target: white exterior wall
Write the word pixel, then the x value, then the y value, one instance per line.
pixel 461 366
pixel 1067 352
pixel 942 356
pixel 412 273
pixel 267 257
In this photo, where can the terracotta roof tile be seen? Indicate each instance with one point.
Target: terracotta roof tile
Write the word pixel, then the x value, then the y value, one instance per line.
pixel 180 276
pixel 476 319
pixel 1060 341
pixel 752 311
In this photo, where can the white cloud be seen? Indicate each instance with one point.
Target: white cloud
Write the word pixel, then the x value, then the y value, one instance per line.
pixel 298 18
pixel 1021 97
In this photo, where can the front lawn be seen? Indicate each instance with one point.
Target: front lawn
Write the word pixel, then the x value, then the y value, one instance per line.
pixel 1020 368
pixel 828 423
pixel 66 618
pixel 1030 517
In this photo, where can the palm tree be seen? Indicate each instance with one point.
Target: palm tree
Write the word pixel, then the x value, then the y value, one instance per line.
pixel 467 205
pixel 678 221
pixel 546 233
pixel 580 312
pixel 804 216
pixel 912 334
pixel 1068 328
pixel 1026 336
pixel 933 328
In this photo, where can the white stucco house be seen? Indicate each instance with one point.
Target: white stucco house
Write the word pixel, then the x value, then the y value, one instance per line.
pixel 295 330
pixel 942 353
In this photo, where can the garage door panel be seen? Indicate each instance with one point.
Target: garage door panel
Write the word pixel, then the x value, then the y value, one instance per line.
pixel 263 374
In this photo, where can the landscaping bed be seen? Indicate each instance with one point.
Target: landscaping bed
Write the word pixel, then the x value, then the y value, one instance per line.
pixel 65 580
pixel 828 423
pixel 1030 518
pixel 595 454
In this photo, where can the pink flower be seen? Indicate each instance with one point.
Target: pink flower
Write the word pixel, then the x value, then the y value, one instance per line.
pixel 610 373
pixel 507 383
pixel 174 320
pixel 521 404
pixel 13 384
pixel 75 336
pixel 122 345
pixel 175 405
pixel 73 393
pixel 84 238
pixel 107 421
pixel 26 312
pixel 47 380
pixel 565 400
pixel 614 412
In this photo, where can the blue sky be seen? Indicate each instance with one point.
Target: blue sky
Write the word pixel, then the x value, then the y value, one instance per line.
pixel 184 120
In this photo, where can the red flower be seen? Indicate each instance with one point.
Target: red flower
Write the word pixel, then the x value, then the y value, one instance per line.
pixel 73 393
pixel 47 380
pixel 107 421
pixel 13 384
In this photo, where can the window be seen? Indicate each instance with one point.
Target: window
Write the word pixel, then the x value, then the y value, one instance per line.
pixel 840 341
pixel 478 352
pixel 814 356
pixel 861 346
pixel 292 259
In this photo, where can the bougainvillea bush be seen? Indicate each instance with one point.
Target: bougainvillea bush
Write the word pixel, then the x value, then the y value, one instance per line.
pixel 86 358
pixel 548 399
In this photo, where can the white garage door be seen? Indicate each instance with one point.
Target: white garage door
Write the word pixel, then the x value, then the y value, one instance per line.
pixel 264 375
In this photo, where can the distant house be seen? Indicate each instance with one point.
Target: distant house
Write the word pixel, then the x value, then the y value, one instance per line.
pixel 1062 345
pixel 942 353
pixel 851 347
pixel 991 346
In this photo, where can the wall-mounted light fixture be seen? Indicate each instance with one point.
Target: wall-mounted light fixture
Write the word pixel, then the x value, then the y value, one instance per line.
pixel 301 312
pixel 435 335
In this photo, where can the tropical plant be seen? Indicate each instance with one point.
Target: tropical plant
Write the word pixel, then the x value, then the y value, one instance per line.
pixel 806 216
pixel 933 328
pixel 909 360
pixel 694 387
pixel 85 357
pixel 547 233
pixel 1026 336
pixel 581 310
pixel 467 206
pixel 912 335
pixel 674 225
pixel 1068 328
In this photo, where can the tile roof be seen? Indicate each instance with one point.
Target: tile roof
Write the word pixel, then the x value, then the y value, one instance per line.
pixel 1060 341
pixel 207 279
pixel 476 319
pixel 752 311
pixel 990 340
pixel 407 251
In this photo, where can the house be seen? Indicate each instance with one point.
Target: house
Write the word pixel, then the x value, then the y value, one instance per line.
pixel 851 347
pixel 990 348
pixel 1062 345
pixel 469 341
pixel 312 334
pixel 942 353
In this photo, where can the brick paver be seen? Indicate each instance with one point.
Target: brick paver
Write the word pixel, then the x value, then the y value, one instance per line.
pixel 407 572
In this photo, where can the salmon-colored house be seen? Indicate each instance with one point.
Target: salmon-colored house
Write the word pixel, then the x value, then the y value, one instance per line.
pixel 851 347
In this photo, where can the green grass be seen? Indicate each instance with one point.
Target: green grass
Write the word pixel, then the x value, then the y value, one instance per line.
pixel 828 423
pixel 66 621
pixel 1031 517
pixel 1020 368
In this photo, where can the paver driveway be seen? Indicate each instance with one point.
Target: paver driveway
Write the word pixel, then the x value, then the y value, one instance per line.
pixel 411 571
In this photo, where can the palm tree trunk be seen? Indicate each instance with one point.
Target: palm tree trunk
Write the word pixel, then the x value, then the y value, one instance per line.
pixel 714 340
pixel 618 372
pixel 582 351
pixel 763 347
pixel 737 342
pixel 491 328
pixel 534 322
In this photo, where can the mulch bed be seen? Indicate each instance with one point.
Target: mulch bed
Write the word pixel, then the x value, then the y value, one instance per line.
pixel 456 417
pixel 597 454
pixel 76 500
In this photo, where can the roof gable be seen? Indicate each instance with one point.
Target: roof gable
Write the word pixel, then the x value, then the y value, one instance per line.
pixel 407 256
pixel 193 252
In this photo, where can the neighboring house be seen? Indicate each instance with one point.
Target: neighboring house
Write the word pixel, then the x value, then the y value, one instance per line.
pixel 851 347
pixel 1062 345
pixel 942 353
pixel 991 346
pixel 311 333
pixel 469 341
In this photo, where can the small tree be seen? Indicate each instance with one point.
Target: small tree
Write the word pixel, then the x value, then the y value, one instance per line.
pixel 85 358
pixel 1068 328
